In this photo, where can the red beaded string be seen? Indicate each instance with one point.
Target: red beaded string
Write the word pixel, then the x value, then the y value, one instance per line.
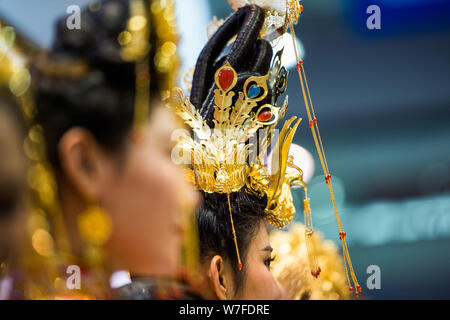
pixel 320 150
pixel 299 65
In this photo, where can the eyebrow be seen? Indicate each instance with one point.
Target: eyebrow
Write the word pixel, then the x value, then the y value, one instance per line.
pixel 268 248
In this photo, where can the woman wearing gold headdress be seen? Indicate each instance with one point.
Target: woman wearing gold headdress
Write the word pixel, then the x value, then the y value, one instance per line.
pixel 112 197
pixel 233 112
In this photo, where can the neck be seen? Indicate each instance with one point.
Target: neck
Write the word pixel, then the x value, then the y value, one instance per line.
pixel 72 205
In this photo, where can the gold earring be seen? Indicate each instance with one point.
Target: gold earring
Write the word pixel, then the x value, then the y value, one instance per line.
pixel 95 225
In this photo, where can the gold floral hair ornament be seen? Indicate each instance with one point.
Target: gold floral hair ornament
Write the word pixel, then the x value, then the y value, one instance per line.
pixel 224 159
pixel 291 268
pixel 278 13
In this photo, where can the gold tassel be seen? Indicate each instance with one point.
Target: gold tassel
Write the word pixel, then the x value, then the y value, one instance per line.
pixel 323 161
pixel 310 243
pixel 234 234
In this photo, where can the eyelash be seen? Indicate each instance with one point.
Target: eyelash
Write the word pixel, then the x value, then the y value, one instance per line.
pixel 268 261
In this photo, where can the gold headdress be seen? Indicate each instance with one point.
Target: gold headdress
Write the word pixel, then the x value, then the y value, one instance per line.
pixel 282 15
pixel 219 156
pixel 211 172
pixel 228 153
pixel 276 12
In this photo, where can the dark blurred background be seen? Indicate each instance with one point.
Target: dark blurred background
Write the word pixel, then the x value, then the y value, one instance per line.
pixel 382 98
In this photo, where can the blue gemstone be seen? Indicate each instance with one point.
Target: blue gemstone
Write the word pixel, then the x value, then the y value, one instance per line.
pixel 253 92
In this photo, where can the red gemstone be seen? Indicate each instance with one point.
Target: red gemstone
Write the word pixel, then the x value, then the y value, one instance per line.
pixel 301 8
pixel 359 288
pixel 265 116
pixel 226 76
pixel 350 289
pixel 356 294
pixel 240 266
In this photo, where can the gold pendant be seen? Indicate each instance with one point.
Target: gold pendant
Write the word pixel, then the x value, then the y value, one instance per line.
pixel 95 225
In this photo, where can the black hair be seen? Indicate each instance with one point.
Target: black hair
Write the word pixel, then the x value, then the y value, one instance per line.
pixel 215 232
pixel 85 82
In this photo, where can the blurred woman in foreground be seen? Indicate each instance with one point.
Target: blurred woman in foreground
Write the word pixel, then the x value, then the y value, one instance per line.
pixel 98 98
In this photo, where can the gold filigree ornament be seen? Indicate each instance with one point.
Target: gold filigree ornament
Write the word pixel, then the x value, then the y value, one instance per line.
pixel 230 156
pixel 278 13
pixel 291 267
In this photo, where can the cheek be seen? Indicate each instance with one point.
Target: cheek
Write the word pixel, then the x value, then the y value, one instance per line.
pixel 260 283
pixel 143 205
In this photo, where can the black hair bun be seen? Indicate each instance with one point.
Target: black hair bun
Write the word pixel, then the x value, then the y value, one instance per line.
pixel 83 81
pixel 248 55
pixel 96 40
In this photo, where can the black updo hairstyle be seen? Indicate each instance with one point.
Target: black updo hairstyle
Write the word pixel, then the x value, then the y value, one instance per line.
pixel 249 56
pixel 84 81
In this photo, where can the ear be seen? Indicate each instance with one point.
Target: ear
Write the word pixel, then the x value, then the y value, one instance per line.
pixel 82 162
pixel 217 277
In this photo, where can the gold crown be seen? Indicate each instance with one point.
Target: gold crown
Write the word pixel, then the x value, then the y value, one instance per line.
pixel 223 159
